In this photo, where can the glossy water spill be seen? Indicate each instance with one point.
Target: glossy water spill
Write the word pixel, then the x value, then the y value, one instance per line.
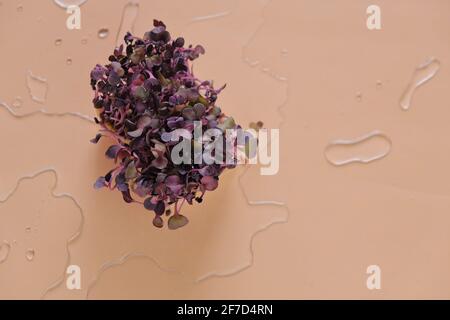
pixel 45 112
pixel 211 16
pixel 67 3
pixel 5 247
pixel 422 74
pixel 128 19
pixel 30 253
pixel 364 149
pixel 37 87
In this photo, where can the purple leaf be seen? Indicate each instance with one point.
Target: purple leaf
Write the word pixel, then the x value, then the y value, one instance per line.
pixel 210 183
pixel 136 133
pixel 96 138
pixel 100 183
pixel 113 151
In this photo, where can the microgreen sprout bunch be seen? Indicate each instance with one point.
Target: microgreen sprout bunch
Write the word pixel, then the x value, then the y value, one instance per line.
pixel 145 92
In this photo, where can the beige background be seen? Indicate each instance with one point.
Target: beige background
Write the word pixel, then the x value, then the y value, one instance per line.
pixel 310 68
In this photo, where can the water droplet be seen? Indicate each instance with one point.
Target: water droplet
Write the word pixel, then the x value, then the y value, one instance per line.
pixel 69 61
pixel 4 251
pixel 84 41
pixel 58 42
pixel 364 149
pixel 28 229
pixel 358 96
pixel 67 3
pixel 37 87
pixel 284 51
pixel 422 74
pixel 103 33
pixel 379 84
pixel 29 254
pixel 19 8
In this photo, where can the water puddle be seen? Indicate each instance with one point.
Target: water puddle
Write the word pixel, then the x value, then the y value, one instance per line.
pixel 422 74
pixel 37 87
pixel 364 149
pixel 211 16
pixel 5 247
pixel 30 253
pixel 129 16
pixel 252 63
pixel 46 113
pixel 67 3
pixel 214 10
pixel 263 64
pixel 256 63
pixel 255 203
pixel 122 260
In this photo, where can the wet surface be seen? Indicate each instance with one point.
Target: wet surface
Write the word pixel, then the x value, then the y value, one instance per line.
pixel 422 74
pixel 364 149
pixel 309 231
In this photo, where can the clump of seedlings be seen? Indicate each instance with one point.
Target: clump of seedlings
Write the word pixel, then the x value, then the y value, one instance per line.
pixel 146 92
